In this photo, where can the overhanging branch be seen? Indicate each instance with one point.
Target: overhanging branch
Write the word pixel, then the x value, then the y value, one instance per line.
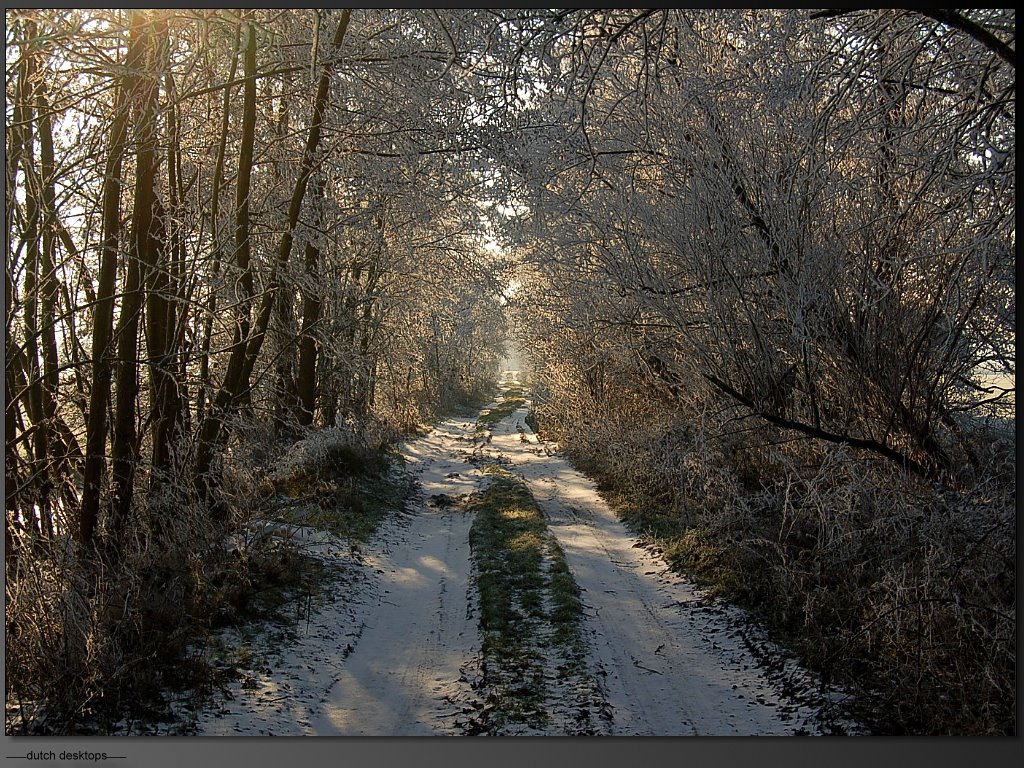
pixel 854 442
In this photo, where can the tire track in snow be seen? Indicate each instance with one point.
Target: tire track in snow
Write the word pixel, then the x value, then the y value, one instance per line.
pixel 392 655
pixel 671 662
pixel 388 658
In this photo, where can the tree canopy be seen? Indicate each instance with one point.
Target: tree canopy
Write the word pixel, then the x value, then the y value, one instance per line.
pixel 227 228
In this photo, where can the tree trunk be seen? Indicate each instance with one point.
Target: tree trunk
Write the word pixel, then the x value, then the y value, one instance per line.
pixel 211 424
pixel 243 356
pixel 143 251
pixel 161 318
pixel 12 475
pixel 33 390
pixel 54 448
pixel 202 395
pixel 308 345
pixel 295 207
pixel 103 316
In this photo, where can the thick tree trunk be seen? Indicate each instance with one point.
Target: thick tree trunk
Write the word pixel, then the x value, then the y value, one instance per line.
pixel 103 315
pixel 143 255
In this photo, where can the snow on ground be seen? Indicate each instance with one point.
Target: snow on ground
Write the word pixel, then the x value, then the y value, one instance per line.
pixel 672 661
pixel 390 655
pixel 395 651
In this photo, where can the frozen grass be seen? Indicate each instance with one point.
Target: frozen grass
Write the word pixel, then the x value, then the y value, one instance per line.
pixel 528 601
pixel 511 403
pixel 686 547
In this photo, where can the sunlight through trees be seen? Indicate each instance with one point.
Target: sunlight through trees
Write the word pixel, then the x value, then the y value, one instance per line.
pixel 759 264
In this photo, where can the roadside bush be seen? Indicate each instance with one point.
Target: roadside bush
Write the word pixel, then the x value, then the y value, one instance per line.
pixel 95 640
pixel 342 450
pixel 901 590
pixel 91 639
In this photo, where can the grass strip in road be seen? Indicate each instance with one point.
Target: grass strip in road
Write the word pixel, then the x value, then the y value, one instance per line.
pixel 513 401
pixel 530 607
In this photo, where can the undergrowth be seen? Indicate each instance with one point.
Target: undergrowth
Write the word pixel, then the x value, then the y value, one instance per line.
pixel 900 592
pixel 98 647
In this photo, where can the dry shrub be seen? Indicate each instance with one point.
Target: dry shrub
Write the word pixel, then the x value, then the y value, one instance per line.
pixel 324 454
pixel 96 640
pixel 49 637
pixel 888 585
pixel 89 638
pixel 899 589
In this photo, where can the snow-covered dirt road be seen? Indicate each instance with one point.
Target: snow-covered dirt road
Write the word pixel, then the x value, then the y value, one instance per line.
pixel 671 661
pixel 387 657
pixel 395 651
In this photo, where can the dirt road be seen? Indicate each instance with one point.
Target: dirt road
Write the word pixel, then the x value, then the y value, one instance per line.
pixel 390 655
pixel 395 654
pixel 671 661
